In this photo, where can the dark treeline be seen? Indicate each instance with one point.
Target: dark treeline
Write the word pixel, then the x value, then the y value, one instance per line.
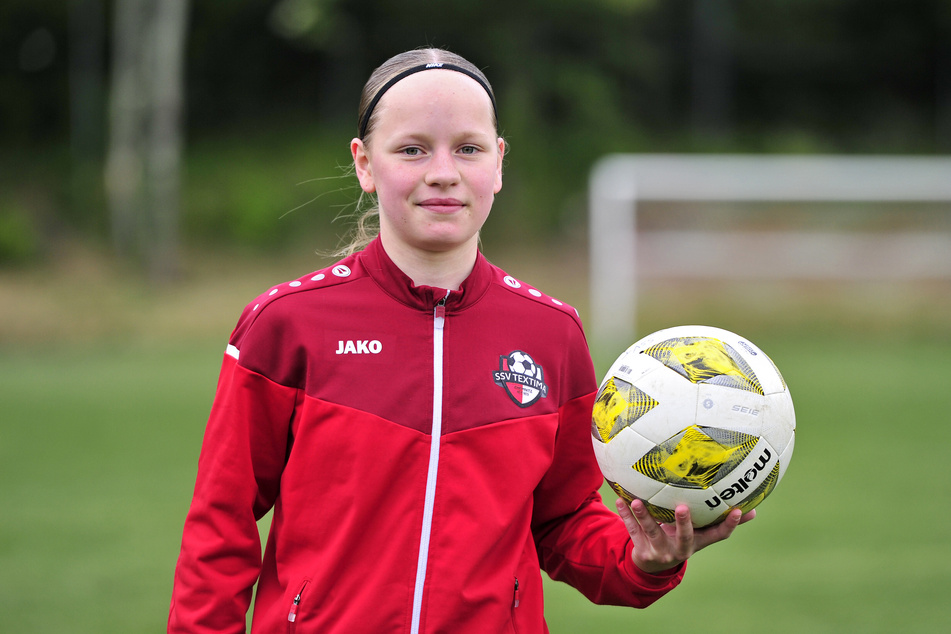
pixel 575 79
pixel 848 70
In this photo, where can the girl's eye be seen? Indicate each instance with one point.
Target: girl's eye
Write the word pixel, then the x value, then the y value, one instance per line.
pixel 411 151
pixel 469 149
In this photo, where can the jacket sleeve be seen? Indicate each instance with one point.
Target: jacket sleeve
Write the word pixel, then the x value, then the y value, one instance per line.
pixel 242 456
pixel 579 540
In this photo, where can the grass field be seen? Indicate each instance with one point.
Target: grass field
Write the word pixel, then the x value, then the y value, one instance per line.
pixel 100 436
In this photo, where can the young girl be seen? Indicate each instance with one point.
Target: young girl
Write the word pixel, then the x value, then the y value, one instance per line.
pixel 418 420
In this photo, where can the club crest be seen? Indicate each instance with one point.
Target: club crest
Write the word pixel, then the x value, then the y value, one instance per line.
pixel 521 378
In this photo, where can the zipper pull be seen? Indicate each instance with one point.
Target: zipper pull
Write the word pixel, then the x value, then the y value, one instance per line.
pixel 292 615
pixel 516 592
pixel 439 313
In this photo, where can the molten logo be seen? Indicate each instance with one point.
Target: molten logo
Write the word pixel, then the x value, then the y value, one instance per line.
pixel 743 483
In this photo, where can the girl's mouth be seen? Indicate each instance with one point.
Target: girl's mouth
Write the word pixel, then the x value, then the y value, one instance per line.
pixel 441 205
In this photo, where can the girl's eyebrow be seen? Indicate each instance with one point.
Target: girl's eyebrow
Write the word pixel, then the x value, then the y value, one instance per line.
pixel 473 135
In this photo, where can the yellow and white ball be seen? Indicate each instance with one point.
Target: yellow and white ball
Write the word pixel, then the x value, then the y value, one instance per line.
pixel 693 415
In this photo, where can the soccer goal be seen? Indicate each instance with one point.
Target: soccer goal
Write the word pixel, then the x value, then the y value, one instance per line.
pixel 618 182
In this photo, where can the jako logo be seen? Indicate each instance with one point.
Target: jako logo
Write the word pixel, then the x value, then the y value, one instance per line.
pixel 364 346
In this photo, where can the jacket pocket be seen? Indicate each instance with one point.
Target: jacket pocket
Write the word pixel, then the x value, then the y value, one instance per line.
pixel 295 607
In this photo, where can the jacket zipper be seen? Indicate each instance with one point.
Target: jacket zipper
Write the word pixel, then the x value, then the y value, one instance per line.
pixel 292 614
pixel 515 603
pixel 439 320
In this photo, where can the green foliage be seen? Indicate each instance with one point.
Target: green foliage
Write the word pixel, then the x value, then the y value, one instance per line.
pixel 18 240
pixel 268 188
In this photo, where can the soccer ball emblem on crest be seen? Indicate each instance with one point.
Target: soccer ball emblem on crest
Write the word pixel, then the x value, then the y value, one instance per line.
pixel 522 363
pixel 522 378
pixel 693 415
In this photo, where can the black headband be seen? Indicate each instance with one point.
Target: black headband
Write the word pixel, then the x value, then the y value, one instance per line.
pixel 415 69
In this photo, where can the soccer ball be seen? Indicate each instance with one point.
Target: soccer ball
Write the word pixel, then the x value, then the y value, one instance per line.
pixel 693 415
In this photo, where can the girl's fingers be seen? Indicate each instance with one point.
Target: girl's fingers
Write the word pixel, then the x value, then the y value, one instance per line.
pixel 630 522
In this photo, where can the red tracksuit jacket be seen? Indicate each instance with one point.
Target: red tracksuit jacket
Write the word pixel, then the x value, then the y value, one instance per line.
pixel 425 454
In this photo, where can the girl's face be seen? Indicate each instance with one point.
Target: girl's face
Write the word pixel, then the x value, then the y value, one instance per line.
pixel 434 161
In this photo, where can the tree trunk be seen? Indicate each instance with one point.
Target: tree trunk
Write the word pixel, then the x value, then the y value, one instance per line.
pixel 145 145
pixel 165 138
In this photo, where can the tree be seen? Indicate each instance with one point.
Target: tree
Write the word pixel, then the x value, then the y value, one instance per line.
pixel 145 132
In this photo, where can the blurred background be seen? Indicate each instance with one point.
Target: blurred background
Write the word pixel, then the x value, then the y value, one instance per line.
pixel 162 162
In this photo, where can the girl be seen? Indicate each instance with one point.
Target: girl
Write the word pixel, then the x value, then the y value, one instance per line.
pixel 418 420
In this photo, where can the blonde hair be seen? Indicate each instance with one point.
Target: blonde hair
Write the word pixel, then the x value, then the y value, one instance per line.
pixel 367 225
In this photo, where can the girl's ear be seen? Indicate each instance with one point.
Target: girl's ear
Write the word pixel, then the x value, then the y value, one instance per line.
pixel 361 164
pixel 498 172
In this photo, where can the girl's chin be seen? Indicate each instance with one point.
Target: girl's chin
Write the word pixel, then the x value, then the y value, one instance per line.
pixel 445 242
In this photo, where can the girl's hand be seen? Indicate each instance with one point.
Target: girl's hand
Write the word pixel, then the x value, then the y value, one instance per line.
pixel 659 547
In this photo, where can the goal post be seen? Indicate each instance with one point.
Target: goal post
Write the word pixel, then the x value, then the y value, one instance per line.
pixel 619 181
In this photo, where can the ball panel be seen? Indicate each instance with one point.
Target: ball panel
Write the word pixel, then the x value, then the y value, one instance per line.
pixel 614 460
pixel 732 409
pixel 702 359
pixel 777 377
pixel 763 367
pixel 676 408
pixel 633 481
pixel 696 458
pixel 786 456
pixel 618 405
pixel 780 424
pixel 632 365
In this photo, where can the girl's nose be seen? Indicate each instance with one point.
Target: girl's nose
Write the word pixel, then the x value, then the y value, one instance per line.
pixel 442 169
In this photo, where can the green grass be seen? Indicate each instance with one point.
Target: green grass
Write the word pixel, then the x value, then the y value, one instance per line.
pixel 97 459
pixel 98 448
